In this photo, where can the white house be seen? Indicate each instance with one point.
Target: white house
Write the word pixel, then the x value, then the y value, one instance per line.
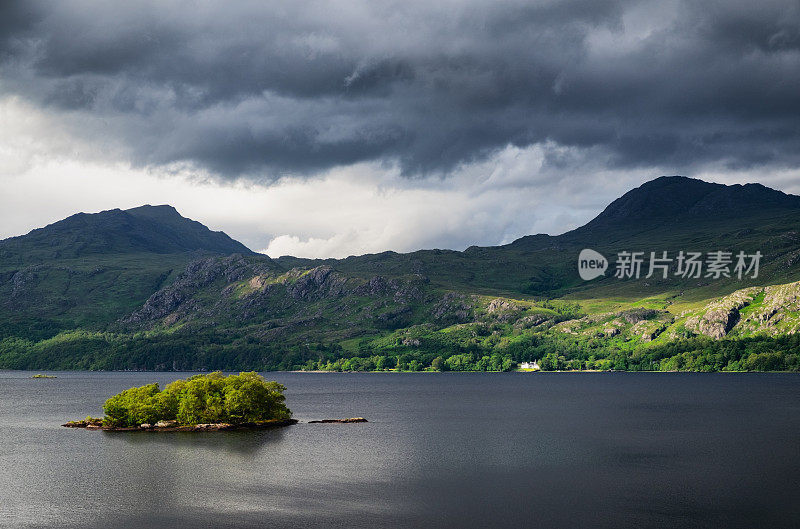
pixel 529 365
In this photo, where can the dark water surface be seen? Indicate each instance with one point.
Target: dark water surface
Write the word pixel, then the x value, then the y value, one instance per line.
pixel 440 450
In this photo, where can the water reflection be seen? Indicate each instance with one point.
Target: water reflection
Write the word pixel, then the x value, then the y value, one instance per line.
pixel 242 443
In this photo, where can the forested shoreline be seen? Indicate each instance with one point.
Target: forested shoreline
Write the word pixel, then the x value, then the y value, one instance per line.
pixel 188 352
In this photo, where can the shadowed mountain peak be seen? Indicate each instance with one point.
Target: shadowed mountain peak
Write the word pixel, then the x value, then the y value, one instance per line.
pixel 150 229
pixel 678 199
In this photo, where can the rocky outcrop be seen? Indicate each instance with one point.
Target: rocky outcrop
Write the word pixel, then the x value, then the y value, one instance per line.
pixel 173 426
pixel 776 312
pixel 86 423
pixel 198 274
pixel 569 327
pixel 716 323
pixel 634 316
pixel 317 283
pixel 340 421
pixel 402 290
pixel 721 316
pixel 638 323
pixel 21 280
pixel 504 310
pixel 377 286
pixel 532 320
pixel 648 330
pixel 452 308
pixel 240 290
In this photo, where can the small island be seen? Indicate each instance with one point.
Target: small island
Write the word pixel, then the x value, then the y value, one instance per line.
pixel 339 421
pixel 211 402
pixel 44 376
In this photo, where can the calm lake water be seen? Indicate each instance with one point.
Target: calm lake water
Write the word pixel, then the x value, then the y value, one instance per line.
pixel 440 450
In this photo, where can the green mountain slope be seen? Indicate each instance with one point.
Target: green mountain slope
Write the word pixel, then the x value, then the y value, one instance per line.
pixel 151 290
pixel 91 269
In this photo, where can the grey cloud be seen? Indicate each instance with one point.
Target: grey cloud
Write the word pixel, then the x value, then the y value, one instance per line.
pixel 264 89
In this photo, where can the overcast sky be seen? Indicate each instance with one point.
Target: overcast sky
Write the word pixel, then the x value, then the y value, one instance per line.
pixel 335 128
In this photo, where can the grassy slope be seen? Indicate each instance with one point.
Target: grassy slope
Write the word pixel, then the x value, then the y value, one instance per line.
pixel 82 293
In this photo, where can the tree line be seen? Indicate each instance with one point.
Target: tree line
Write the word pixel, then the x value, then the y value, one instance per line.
pixel 210 350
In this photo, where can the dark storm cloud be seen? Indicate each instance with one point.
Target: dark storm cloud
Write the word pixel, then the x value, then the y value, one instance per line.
pixel 265 89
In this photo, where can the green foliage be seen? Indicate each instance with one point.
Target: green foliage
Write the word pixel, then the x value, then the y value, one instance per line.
pixel 567 310
pixel 560 352
pixel 748 354
pixel 135 406
pixel 211 398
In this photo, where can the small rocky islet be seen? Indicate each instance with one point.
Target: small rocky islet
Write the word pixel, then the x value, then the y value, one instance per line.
pixel 339 421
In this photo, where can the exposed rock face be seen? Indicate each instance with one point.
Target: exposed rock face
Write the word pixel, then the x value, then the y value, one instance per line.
pixel 377 286
pixel 317 283
pixel 526 322
pixel 198 274
pixel 648 330
pixel 717 323
pixel 504 310
pixel 634 316
pixel 779 298
pixel 570 326
pixel 21 279
pixel 410 289
pixel 776 313
pixel 452 308
pixel 641 323
pixel 500 305
pixel 721 316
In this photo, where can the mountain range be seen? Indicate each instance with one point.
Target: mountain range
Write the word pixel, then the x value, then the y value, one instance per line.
pixel 146 288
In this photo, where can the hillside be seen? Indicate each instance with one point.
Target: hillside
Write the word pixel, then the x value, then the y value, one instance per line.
pixel 89 270
pixel 147 289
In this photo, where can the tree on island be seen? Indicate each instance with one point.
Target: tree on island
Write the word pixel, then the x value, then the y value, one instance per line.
pixel 201 399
